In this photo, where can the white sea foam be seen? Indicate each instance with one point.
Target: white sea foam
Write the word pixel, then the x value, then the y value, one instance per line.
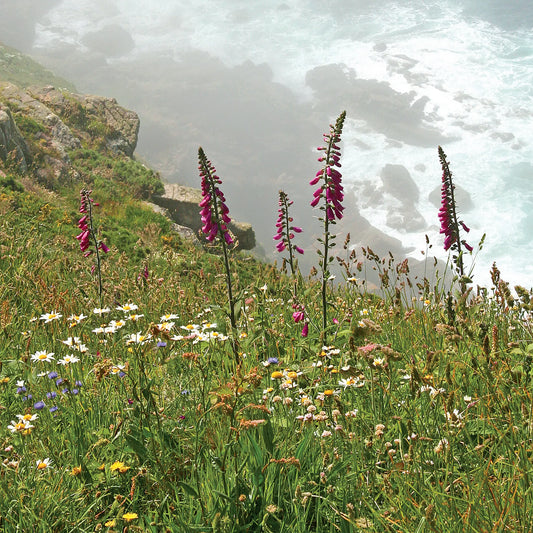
pixel 477 78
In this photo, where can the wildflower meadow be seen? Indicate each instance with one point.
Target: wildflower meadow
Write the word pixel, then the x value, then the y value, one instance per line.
pixel 162 387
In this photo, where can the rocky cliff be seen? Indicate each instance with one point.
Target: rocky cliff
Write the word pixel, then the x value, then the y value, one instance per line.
pixel 182 205
pixel 43 128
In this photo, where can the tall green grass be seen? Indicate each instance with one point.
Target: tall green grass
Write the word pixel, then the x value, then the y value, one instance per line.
pixel 416 417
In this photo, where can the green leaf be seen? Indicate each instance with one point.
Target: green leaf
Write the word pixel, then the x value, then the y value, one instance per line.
pixel 188 489
pixel 268 436
pixel 256 450
pixel 225 496
pixel 300 451
pixel 138 447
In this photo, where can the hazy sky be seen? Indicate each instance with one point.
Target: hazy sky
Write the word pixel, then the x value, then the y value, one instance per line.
pixel 257 88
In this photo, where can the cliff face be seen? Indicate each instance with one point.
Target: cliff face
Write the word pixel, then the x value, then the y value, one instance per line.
pixel 91 116
pixel 12 143
pixel 181 204
pixel 43 128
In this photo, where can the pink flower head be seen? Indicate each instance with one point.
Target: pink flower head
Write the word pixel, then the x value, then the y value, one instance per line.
pixel 299 313
pixel 214 213
pixel 286 230
pixel 331 189
pixel 449 224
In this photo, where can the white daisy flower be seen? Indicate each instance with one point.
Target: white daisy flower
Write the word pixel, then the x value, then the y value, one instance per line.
pixel 44 464
pixel 48 317
pixel 127 307
pixel 43 356
pixel 68 359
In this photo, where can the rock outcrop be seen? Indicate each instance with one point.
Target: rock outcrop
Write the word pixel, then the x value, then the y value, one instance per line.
pixel 60 121
pixel 95 115
pixel 182 204
pixel 119 126
pixel 12 143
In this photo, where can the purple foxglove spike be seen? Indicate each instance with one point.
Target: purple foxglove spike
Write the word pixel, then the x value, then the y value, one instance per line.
pixel 206 201
pixel 299 250
pixel 84 235
pixel 314 203
pixel 298 316
pixel 228 238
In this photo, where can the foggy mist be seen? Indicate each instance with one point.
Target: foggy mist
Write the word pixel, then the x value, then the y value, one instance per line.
pixel 260 120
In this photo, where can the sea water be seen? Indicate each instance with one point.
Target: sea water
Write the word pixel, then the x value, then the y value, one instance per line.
pixel 467 63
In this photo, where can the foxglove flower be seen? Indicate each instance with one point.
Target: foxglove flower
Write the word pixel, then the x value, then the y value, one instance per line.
pixel 87 235
pixel 214 213
pixel 449 225
pixel 299 313
pixel 215 220
pixel 330 189
pixel 329 195
pixel 285 230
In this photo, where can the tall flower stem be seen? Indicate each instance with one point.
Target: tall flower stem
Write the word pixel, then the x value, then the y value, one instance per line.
pixel 450 225
pixel 97 253
pixel 286 230
pixel 89 234
pixel 284 235
pixel 332 195
pixel 214 214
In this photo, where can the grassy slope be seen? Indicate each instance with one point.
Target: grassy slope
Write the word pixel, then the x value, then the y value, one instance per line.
pixel 21 70
pixel 418 417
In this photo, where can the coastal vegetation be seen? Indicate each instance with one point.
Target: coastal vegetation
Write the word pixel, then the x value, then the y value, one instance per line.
pixel 148 384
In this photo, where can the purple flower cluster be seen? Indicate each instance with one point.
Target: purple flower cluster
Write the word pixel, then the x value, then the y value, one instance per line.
pixel 299 313
pixel 449 225
pixel 285 231
pixel 85 224
pixel 214 213
pixel 331 187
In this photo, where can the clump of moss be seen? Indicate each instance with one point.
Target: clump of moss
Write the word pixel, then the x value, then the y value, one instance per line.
pixel 117 175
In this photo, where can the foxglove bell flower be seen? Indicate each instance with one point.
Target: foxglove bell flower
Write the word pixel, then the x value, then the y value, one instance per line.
pixel 331 189
pixel 85 224
pixel 88 235
pixel 299 313
pixel 215 219
pixel 329 196
pixel 449 225
pixel 214 213
pixel 285 230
